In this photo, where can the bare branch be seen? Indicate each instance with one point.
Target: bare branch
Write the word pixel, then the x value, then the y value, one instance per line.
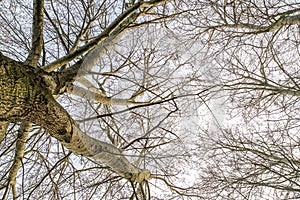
pixel 19 154
pixel 81 92
pixel 107 36
pixel 105 39
pixel 37 33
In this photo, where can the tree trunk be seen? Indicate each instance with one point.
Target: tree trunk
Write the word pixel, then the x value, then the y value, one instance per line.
pixel 26 95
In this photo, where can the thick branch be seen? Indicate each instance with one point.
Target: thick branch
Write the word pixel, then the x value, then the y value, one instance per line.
pixel 285 21
pixel 81 92
pixel 37 33
pixel 282 21
pixel 19 154
pixel 106 37
pixel 61 126
pixel 85 145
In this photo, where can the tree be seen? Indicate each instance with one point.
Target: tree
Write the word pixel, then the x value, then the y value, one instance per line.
pixel 88 56
pixel 255 154
pixel 149 99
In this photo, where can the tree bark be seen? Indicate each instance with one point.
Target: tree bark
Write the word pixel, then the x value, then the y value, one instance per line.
pixel 26 95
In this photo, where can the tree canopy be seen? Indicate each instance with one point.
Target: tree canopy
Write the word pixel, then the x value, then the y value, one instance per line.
pixel 149 99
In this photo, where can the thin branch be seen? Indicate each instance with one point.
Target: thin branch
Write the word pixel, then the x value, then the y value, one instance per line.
pixel 106 38
pixel 112 31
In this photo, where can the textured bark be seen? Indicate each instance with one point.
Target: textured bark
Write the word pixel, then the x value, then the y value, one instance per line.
pixel 32 60
pixel 26 95
pixel 37 33
pixel 20 89
pixel 3 128
pixel 19 152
